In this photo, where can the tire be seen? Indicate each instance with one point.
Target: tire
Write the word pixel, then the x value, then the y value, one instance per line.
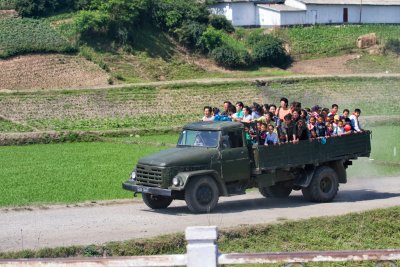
pixel 202 194
pixel 278 190
pixel 156 202
pixel 324 185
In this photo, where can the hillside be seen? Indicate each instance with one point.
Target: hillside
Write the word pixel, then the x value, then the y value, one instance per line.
pixel 155 55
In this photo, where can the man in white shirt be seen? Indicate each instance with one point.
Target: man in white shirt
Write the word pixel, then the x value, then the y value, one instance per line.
pixel 355 124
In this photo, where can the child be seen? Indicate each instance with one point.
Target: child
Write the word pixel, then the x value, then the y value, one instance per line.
pixel 262 134
pixel 320 127
pixel 311 124
pixel 271 137
pixel 329 129
pixel 334 110
pixel 339 129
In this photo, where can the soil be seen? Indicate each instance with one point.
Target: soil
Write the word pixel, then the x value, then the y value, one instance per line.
pixel 49 71
pixel 330 65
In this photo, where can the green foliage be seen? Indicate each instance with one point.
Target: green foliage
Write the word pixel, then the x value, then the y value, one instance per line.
pixel 41 8
pixel 269 51
pixel 7 4
pixel 392 45
pixel 220 22
pixel 116 18
pixel 172 14
pixel 16 37
pixel 228 56
pixel 91 21
pixel 225 50
pixel 190 35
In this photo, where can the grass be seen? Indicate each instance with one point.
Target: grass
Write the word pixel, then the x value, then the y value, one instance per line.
pixel 7 126
pixel 323 41
pixel 375 64
pixel 377 229
pixel 170 139
pixel 67 173
pixel 21 36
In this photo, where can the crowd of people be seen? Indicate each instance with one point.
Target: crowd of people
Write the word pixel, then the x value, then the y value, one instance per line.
pixel 268 124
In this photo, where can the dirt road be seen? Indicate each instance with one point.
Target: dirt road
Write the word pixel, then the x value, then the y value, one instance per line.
pixel 63 226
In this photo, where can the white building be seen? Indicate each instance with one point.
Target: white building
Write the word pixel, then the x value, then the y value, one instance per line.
pixel 307 12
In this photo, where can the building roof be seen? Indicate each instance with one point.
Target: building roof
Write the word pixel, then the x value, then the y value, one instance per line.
pixel 284 8
pixel 252 1
pixel 353 2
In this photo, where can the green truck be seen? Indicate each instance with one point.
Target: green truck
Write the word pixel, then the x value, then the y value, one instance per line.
pixel 213 159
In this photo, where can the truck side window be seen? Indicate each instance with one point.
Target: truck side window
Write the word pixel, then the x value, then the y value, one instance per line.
pixel 236 139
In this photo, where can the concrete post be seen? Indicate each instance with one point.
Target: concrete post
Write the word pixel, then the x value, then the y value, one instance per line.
pixel 202 250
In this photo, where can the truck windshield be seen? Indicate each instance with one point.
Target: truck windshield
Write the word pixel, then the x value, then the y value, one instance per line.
pixel 198 138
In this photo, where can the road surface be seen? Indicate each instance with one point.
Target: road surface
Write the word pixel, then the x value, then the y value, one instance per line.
pixel 63 226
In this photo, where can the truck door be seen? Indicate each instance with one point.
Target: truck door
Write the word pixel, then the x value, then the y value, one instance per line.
pixel 234 156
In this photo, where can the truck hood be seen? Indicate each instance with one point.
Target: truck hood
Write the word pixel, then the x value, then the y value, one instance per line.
pixel 180 156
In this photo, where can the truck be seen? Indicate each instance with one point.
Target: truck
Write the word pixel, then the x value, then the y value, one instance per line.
pixel 213 160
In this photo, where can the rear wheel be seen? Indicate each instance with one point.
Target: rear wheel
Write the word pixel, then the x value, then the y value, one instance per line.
pixel 279 190
pixel 324 185
pixel 202 194
pixel 156 202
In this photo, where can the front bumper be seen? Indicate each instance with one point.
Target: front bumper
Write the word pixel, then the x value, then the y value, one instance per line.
pixel 129 185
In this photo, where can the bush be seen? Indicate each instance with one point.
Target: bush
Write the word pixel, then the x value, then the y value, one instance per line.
pixel 393 45
pixel 190 35
pixel 220 22
pixel 229 57
pixel 269 51
pixel 172 14
pixel 213 38
pixel 40 8
pixel 89 22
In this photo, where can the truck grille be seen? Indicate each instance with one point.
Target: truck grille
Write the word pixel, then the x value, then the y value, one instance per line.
pixel 149 175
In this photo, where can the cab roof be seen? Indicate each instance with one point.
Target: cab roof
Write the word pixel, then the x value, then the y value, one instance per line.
pixel 213 125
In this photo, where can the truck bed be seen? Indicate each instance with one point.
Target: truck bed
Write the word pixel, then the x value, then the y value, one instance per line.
pixel 305 152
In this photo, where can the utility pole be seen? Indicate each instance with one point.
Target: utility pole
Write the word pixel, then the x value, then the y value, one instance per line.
pixel 360 11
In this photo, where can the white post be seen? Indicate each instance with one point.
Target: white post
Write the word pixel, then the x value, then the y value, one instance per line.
pixel 202 250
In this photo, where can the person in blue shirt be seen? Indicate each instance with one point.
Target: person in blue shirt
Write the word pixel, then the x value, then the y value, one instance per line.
pixel 271 138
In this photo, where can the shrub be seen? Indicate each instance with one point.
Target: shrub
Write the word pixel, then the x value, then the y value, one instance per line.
pixel 190 34
pixel 172 14
pixel 229 57
pixel 40 8
pixel 88 22
pixel 213 38
pixel 393 45
pixel 269 51
pixel 220 22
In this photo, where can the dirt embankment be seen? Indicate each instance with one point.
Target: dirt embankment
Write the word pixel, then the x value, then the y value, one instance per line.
pixel 49 71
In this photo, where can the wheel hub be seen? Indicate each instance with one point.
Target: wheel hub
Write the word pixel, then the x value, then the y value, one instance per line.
pixel 204 194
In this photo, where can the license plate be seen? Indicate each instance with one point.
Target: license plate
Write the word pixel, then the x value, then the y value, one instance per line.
pixel 142 189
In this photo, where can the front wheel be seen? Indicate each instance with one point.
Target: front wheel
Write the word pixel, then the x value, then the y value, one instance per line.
pixel 324 185
pixel 201 194
pixel 156 202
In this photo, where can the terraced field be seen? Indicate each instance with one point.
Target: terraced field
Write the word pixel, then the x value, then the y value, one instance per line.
pixel 152 107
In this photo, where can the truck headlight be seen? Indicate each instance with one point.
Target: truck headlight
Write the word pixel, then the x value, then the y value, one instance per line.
pixel 176 181
pixel 133 175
